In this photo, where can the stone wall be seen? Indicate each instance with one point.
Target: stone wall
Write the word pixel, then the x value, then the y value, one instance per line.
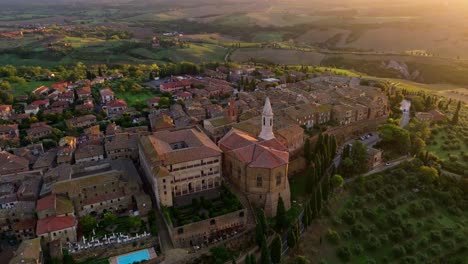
pixel 196 233
pixel 353 130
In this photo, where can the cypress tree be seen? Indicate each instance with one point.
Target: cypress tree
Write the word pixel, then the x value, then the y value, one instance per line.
pixel 247 260
pixel 456 114
pixel 265 254
pixel 281 217
pixel 319 199
pixel 276 249
pixel 253 259
pixel 292 239
pixel 262 221
pixel 100 71
pixel 259 235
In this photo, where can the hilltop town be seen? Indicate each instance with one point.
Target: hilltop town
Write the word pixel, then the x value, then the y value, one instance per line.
pixel 86 174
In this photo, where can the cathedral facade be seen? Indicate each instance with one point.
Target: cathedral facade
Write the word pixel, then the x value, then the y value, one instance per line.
pixel 258 166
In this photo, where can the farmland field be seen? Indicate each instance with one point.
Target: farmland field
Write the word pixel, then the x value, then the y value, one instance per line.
pixel 280 56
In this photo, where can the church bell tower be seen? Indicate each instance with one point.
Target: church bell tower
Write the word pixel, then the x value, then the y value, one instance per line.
pixel 267 122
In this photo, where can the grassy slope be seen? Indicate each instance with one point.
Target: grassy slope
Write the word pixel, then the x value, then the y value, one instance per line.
pixel 438 219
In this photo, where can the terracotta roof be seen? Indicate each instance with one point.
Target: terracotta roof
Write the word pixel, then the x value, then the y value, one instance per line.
pixel 154 100
pixel 198 146
pixel 103 197
pixel 116 103
pixel 46 202
pixel 9 162
pixel 258 154
pixel 106 92
pixel 54 223
pixel 172 85
pixel 25 224
pixel 40 102
pixel 5 108
pixel 236 139
pixel 84 90
pixel 88 151
pixel 8 127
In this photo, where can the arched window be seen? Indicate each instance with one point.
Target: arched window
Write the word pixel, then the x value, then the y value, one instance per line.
pixel 271 122
pixel 264 121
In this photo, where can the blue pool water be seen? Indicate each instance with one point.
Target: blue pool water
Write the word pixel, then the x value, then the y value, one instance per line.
pixel 134 257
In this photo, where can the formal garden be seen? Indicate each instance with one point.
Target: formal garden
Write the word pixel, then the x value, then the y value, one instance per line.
pixel 111 223
pixel 407 214
pixel 202 208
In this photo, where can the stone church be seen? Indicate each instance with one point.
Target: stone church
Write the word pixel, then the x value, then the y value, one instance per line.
pixel 258 166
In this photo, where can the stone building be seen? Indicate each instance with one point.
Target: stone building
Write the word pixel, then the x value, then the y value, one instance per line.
pixel 57 227
pixel 258 167
pixel 180 162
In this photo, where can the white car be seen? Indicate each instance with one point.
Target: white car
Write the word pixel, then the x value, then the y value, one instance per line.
pixel 387 164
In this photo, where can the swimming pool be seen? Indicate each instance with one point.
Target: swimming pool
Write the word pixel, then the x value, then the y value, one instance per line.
pixel 134 257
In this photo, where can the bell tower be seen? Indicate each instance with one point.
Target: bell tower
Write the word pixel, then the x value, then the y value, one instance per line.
pixel 267 122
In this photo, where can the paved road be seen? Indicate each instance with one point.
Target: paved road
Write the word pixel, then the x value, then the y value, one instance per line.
pixel 405 107
pixel 381 167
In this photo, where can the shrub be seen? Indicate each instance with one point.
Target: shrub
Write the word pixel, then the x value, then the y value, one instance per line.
pixel 396 234
pixel 416 209
pixel 369 213
pixel 357 249
pixel 435 250
pixel 372 242
pixel 348 217
pixel 344 253
pixel 333 236
pixel 359 230
pixel 435 236
pixel 410 247
pixel 409 260
pixel 398 251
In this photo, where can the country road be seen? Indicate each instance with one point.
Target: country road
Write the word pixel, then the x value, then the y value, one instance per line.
pixel 405 107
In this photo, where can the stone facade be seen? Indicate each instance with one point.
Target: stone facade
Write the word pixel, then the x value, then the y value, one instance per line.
pixel 258 167
pixel 176 168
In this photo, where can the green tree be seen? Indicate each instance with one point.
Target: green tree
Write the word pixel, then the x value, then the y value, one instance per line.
pixel 247 259
pixel 359 157
pixel 456 114
pixel 259 234
pixel 395 138
pixel 417 145
pixel 301 260
pixel 428 175
pixel 276 249
pixel 261 218
pixel 281 217
pixel 292 239
pixel 265 255
pixel 88 223
pixel 336 181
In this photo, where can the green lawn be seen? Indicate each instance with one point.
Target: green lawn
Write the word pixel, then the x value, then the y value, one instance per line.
pixel 135 98
pixel 29 87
